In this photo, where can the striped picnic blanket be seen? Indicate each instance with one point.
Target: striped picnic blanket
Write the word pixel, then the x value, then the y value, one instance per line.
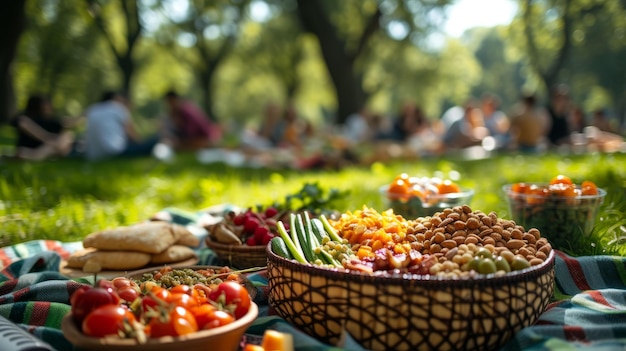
pixel 589 310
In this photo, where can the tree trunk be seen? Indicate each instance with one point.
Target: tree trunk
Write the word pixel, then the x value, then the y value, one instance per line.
pixel 127 66
pixel 134 30
pixel 340 63
pixel 12 21
pixel 550 74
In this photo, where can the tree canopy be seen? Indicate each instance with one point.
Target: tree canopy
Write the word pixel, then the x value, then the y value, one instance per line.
pixel 329 58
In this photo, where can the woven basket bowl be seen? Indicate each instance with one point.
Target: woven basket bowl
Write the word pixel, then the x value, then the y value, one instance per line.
pixel 239 256
pixel 409 312
pixel 227 337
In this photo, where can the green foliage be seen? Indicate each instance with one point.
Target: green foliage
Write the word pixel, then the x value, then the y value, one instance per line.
pixel 67 199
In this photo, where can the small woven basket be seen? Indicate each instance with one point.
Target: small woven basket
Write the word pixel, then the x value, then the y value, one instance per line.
pixel 239 256
pixel 409 312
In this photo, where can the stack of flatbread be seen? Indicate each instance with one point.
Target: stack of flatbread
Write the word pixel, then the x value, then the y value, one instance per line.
pixel 133 247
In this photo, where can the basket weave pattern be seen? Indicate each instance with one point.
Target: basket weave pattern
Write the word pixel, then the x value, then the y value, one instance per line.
pixel 239 256
pixel 394 313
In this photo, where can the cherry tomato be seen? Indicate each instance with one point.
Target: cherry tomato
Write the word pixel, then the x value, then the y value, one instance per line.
pixel 159 293
pixel 218 318
pixel 398 187
pixel 149 303
pixel 588 188
pixel 104 283
pixel 178 321
pixel 128 293
pixel 79 292
pixel 233 296
pixel 92 299
pixel 537 194
pixel 561 179
pixel 184 300
pixel 181 289
pixel 121 282
pixel 203 314
pixel 106 320
pixel 520 188
pixel 448 187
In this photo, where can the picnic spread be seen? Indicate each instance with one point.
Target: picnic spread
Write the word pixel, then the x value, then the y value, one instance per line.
pixel 586 310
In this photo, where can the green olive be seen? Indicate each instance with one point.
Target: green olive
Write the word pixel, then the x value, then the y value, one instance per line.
pixel 502 264
pixel 484 253
pixel 487 266
pixel 473 264
pixel 519 263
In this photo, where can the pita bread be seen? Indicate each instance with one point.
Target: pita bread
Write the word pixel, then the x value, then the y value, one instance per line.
pixel 185 237
pixel 148 237
pixel 172 254
pixel 96 260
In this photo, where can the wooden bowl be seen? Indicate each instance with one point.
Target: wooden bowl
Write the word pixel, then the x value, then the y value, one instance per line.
pixel 408 311
pixel 227 337
pixel 239 256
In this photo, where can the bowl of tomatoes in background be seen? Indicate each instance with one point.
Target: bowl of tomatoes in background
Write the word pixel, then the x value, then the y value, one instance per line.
pixel 562 210
pixel 413 197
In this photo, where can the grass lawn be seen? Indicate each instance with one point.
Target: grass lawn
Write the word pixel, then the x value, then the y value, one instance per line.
pixel 67 199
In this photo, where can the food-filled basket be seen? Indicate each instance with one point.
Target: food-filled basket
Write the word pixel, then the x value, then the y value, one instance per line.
pixel 239 256
pixel 409 311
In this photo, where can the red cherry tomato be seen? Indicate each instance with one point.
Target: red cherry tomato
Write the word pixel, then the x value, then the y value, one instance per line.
pixel 128 293
pixel 232 296
pixel 79 292
pixel 159 293
pixel 121 282
pixel 149 303
pixel 107 320
pixel 218 318
pixel 92 299
pixel 179 321
pixel 184 300
pixel 203 314
pixel 181 289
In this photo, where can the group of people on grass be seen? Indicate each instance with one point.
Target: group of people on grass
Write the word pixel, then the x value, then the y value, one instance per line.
pixel 109 130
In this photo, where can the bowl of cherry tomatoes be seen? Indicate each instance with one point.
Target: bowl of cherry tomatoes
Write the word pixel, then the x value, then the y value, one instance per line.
pixel 413 197
pixel 561 209
pixel 142 312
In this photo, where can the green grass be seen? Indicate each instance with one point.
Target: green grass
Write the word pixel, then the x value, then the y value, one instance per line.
pixel 67 199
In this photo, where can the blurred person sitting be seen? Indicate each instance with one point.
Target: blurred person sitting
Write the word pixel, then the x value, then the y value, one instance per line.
pixel 410 119
pixel 496 121
pixel 356 129
pixel 188 128
pixel 577 121
pixel 262 137
pixel 110 131
pixel 558 111
pixel 466 132
pixel 40 135
pixel 288 132
pixel 601 121
pixel 529 125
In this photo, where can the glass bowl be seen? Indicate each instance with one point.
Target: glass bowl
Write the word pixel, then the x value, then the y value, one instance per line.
pixel 561 219
pixel 414 206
